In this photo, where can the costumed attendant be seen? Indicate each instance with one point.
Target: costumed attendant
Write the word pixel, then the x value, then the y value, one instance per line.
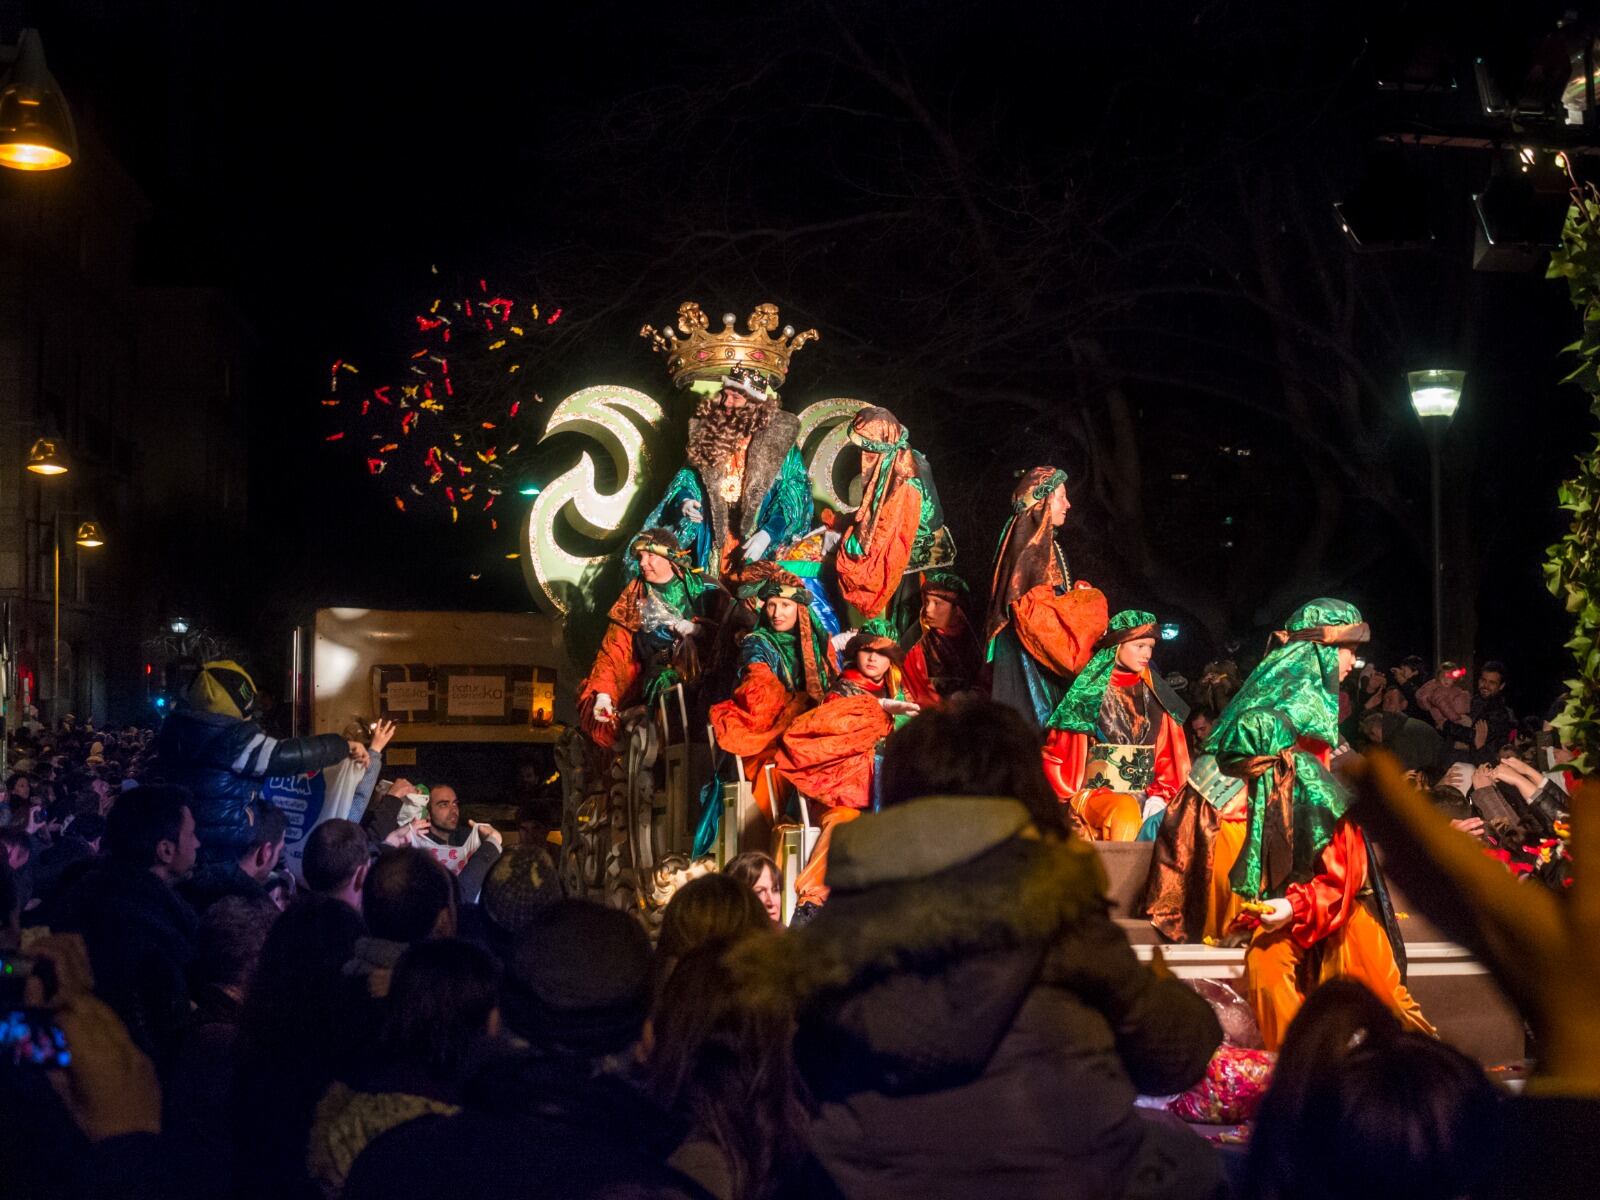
pixel 1114 748
pixel 1305 874
pixel 946 659
pixel 785 667
pixel 1040 630
pixel 830 754
pixel 899 526
pixel 653 637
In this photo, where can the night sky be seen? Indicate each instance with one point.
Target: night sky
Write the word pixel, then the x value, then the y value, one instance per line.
pixel 1102 238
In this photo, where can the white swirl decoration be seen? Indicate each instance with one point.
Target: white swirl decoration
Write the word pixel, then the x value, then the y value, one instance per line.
pixel 613 417
pixel 629 426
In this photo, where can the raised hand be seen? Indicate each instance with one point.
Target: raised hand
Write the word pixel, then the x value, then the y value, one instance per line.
pixel 1543 948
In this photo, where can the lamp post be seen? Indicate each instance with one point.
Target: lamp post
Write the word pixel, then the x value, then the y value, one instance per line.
pixel 1436 394
pixel 90 537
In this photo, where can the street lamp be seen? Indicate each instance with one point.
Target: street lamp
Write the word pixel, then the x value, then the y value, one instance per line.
pixel 36 130
pixel 90 537
pixel 45 458
pixel 1436 394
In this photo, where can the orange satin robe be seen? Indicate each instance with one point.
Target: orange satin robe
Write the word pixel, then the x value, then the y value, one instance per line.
pixel 752 721
pixel 616 673
pixel 868 581
pixel 1060 632
pixel 828 755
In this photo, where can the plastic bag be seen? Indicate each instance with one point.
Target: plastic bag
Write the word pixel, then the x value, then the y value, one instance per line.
pixel 1235 1080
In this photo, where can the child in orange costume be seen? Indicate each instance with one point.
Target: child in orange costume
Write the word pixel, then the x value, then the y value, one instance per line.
pixel 1114 745
pixel 1313 891
pixel 829 754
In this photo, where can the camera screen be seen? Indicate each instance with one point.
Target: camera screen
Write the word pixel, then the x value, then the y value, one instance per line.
pixel 29 1038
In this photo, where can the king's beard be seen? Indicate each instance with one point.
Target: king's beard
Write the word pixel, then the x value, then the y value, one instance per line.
pixel 717 430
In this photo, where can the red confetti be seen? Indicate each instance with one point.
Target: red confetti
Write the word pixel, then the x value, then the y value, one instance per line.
pixel 334 437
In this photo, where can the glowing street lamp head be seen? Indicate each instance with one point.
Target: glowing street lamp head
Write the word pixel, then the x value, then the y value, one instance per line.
pixel 45 458
pixel 89 535
pixel 36 130
pixel 1436 393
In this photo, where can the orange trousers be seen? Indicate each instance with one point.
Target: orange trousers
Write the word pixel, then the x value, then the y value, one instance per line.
pixel 810 886
pixel 1358 950
pixel 1108 816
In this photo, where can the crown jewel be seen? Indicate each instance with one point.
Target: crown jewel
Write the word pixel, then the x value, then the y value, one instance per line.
pixel 694 353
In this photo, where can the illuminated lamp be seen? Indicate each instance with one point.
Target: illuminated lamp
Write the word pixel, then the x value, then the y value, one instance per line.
pixel 45 458
pixel 89 535
pixel 36 130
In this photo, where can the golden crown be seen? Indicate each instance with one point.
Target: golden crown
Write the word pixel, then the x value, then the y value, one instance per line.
pixel 694 354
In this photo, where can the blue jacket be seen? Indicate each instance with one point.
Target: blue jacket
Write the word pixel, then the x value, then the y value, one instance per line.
pixel 223 761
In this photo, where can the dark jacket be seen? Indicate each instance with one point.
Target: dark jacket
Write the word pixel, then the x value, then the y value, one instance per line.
pixel 1496 716
pixel 212 881
pixel 972 1022
pixel 223 762
pixel 140 935
pixel 532 1129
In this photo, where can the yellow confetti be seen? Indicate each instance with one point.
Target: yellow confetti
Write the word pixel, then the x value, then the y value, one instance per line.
pixel 453 514
pixel 434 307
pixel 517 329
pixel 535 312
pixel 348 367
pixel 497 345
pixel 515 367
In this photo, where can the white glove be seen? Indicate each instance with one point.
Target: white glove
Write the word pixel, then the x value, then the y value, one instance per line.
pixel 757 545
pixel 684 628
pixel 830 539
pixel 691 509
pixel 1280 913
pixel 899 708
pixel 604 708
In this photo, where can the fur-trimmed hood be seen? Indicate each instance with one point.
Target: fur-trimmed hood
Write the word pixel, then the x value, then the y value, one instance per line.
pixel 939 916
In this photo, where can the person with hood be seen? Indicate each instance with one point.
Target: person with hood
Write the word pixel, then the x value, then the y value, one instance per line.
pixel 1304 874
pixel 971 1021
pixel 830 754
pixel 212 746
pixel 899 526
pixel 1114 748
pixel 1041 629
pixel 946 659
pixel 654 635
pixel 786 666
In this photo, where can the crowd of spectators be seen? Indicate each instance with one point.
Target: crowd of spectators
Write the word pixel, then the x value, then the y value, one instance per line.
pixel 963 1018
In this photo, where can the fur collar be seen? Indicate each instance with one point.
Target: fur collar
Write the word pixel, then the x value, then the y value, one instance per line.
pixel 762 460
pixel 1022 893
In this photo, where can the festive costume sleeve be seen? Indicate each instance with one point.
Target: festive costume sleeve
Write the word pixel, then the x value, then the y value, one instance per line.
pixel 787 510
pixel 915 673
pixel 694 536
pixel 1060 631
pixel 616 673
pixel 756 716
pixel 1172 760
pixel 869 577
pixel 1065 758
pixel 827 752
pixel 1323 904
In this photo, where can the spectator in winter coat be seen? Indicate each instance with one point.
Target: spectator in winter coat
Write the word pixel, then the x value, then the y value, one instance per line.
pixel 212 747
pixel 140 933
pixel 971 1020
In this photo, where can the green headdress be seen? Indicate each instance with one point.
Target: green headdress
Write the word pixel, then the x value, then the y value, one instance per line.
pixel 1292 694
pixel 1079 709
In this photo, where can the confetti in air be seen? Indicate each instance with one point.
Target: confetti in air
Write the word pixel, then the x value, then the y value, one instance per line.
pixel 439 436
